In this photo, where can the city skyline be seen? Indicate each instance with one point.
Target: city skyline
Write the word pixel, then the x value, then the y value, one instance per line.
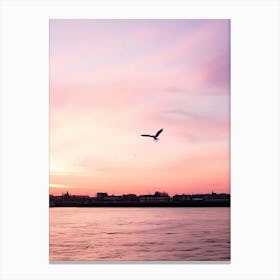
pixel 158 199
pixel 113 194
pixel 113 80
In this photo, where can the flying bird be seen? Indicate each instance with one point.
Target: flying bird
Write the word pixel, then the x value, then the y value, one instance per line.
pixel 153 136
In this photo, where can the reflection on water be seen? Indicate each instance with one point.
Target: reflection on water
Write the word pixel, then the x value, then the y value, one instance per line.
pixel 139 234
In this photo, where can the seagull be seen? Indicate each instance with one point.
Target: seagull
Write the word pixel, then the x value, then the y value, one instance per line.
pixel 153 136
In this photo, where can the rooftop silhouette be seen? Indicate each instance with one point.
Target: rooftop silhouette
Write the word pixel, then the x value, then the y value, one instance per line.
pixel 160 199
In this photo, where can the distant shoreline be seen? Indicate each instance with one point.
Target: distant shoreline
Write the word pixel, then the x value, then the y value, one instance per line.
pixel 144 204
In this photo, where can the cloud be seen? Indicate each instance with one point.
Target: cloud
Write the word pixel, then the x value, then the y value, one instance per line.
pixel 58 186
pixel 184 113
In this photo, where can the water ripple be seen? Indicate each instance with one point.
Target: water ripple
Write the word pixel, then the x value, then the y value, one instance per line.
pixel 158 234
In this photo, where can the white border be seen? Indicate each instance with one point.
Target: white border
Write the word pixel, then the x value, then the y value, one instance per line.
pixel 254 141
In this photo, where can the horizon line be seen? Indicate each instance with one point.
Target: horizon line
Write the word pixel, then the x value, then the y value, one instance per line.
pixel 159 192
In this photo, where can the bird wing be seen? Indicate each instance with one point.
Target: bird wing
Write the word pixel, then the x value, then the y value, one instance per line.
pixel 159 132
pixel 146 135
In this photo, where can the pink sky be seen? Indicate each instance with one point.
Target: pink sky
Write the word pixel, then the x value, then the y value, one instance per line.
pixel 112 80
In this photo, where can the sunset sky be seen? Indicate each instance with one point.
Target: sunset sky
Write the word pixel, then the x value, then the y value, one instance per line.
pixel 113 80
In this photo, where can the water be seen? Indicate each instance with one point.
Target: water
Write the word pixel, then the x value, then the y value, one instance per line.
pixel 139 234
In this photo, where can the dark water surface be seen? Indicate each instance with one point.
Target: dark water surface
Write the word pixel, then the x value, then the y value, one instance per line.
pixel 140 234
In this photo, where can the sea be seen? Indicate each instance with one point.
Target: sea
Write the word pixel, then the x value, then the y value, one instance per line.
pixel 139 234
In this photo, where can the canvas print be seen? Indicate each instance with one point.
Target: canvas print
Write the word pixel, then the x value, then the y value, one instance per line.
pixel 139 140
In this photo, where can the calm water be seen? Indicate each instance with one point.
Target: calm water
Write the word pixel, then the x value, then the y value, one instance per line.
pixel 139 234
